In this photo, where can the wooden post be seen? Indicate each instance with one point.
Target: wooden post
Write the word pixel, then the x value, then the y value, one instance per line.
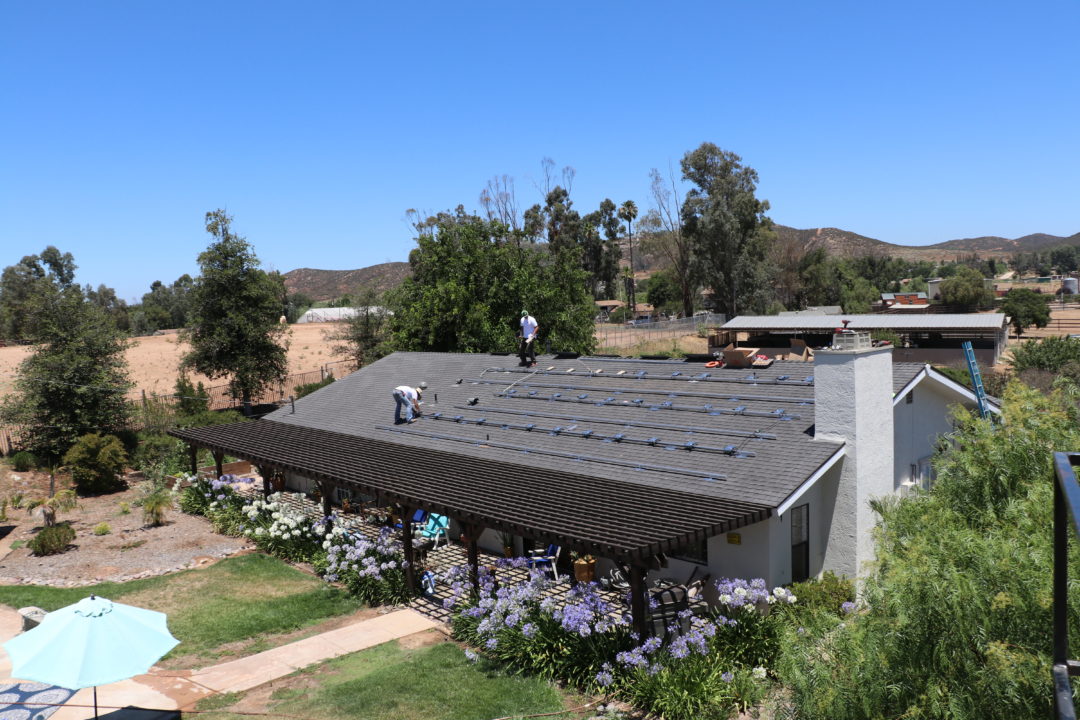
pixel 327 506
pixel 193 453
pixel 407 513
pixel 472 532
pixel 219 458
pixel 266 482
pixel 638 608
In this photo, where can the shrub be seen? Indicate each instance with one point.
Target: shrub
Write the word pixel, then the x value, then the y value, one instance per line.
pixel 125 508
pixel 52 540
pixel 17 499
pixel 828 594
pixel 95 461
pixel 23 461
pixel 155 449
pixel 1050 354
pixel 957 619
pixel 302 390
pixel 102 529
pixel 578 638
pixel 155 499
pixel 3 510
pixel 371 569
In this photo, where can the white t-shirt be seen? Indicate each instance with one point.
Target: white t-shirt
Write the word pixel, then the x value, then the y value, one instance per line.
pixel 408 392
pixel 528 326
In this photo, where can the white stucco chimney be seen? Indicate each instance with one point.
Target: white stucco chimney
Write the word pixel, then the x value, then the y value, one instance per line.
pixel 853 403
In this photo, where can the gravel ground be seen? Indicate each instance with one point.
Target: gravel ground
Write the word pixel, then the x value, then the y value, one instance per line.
pixel 130 550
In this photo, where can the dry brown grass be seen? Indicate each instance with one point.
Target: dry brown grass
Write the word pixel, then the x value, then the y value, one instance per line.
pixel 153 361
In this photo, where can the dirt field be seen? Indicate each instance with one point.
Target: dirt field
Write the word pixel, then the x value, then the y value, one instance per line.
pixel 152 361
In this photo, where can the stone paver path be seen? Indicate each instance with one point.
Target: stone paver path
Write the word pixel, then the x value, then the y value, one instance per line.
pixel 166 691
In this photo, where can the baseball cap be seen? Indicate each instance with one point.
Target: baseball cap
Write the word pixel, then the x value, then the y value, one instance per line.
pixel 524 313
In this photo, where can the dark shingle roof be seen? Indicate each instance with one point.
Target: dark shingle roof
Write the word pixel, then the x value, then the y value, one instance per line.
pixel 617 519
pixel 765 422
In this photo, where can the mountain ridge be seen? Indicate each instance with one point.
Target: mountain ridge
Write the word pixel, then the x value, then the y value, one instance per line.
pixel 329 284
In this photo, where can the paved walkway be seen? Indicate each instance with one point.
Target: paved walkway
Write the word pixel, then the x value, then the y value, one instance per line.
pixel 169 690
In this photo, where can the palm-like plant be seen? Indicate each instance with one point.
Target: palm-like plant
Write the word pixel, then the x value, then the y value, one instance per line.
pixel 154 505
pixel 627 212
pixel 155 497
pixel 62 501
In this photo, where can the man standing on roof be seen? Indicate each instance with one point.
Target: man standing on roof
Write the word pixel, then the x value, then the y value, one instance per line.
pixel 527 349
pixel 409 398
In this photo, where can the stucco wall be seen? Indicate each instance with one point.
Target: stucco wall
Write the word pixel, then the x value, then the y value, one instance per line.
pixel 918 425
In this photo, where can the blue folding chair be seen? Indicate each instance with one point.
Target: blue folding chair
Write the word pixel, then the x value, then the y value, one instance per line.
pixel 546 559
pixel 418 518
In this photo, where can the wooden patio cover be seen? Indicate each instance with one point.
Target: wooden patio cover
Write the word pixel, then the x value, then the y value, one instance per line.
pixel 630 522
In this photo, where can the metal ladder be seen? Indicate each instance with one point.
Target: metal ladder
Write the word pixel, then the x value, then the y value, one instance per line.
pixel 976 379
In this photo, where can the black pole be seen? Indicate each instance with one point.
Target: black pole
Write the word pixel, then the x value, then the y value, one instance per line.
pixel 1061 576
pixel 95 702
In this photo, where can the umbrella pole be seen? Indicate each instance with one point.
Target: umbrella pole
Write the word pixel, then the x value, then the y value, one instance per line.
pixel 95 702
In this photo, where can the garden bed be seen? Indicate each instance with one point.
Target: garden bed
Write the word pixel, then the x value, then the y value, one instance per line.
pixel 128 551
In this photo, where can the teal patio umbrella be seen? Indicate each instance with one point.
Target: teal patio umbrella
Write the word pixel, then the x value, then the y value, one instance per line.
pixel 93 642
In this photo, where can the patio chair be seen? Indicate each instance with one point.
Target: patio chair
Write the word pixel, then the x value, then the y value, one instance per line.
pixel 670 601
pixel 437 526
pixel 419 518
pixel 547 559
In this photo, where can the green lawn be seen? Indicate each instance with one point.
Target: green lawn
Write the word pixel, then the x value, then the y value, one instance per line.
pixel 242 598
pixel 388 682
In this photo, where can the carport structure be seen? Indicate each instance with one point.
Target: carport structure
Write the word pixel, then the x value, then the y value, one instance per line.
pixel 630 522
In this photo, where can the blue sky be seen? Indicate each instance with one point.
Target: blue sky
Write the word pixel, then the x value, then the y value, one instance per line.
pixel 317 124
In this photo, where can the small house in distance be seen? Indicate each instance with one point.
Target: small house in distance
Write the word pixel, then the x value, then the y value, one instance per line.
pixel 904 302
pixel 662 467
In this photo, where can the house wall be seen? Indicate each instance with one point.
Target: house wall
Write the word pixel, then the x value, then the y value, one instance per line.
pixel 765 548
pixel 917 425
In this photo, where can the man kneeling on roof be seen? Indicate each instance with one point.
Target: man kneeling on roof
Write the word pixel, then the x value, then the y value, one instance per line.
pixel 409 398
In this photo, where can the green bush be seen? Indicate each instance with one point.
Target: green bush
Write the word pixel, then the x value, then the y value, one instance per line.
pixel 23 461
pixel 1050 354
pixel 302 390
pixel 52 540
pixel 158 449
pixel 95 461
pixel 957 621
pixel 826 593
pixel 102 529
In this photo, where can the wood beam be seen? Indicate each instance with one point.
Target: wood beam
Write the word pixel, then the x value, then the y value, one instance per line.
pixel 638 607
pixel 407 512
pixel 219 460
pixel 193 455
pixel 472 533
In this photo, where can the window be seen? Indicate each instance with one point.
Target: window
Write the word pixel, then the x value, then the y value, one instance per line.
pixel 696 553
pixel 910 397
pixel 926 473
pixel 800 543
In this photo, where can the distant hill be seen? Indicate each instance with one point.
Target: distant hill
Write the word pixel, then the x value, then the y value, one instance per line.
pixel 330 284
pixel 848 244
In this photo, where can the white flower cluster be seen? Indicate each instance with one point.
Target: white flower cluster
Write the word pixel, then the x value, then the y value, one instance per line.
pixel 780 594
pixel 282 525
